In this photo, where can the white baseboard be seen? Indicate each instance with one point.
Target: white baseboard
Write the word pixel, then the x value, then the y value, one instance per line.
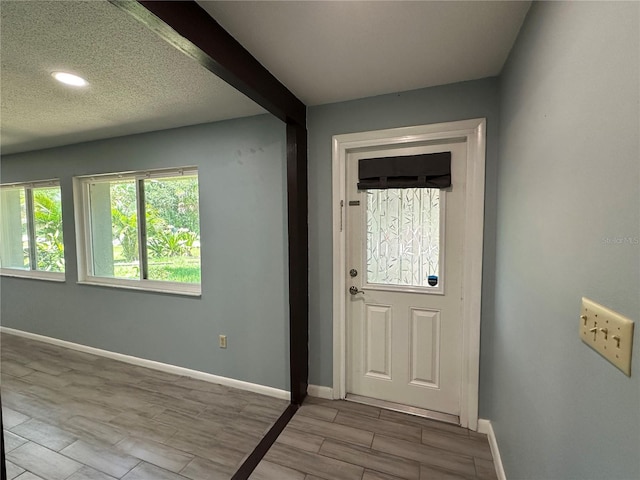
pixel 484 426
pixel 163 367
pixel 320 392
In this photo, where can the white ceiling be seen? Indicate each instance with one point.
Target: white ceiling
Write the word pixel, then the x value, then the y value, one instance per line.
pixel 333 51
pixel 322 51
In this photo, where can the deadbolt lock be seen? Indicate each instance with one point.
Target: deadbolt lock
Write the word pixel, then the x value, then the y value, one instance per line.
pixel 353 272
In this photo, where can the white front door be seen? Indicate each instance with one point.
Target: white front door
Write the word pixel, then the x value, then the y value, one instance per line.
pixel 404 284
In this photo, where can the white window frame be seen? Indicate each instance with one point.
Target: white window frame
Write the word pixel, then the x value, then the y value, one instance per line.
pixel 83 233
pixel 32 273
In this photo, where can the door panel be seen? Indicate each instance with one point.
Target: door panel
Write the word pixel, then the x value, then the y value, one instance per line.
pixel 378 341
pixel 404 324
pixel 425 347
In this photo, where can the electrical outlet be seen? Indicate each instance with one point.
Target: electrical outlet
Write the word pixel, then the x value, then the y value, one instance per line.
pixel 608 333
pixel 222 340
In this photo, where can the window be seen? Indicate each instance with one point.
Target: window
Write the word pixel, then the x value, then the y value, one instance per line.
pixel 404 234
pixel 140 230
pixel 31 240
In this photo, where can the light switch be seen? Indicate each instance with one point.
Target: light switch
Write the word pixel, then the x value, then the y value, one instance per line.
pixel 608 333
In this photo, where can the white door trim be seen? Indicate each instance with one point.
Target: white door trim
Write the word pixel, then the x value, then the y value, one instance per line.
pixel 474 131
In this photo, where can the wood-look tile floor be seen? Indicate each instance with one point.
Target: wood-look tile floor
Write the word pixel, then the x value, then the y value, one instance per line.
pixel 69 415
pixel 73 416
pixel 338 440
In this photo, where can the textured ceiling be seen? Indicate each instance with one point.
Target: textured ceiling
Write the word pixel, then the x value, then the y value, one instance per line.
pixel 138 83
pixel 332 51
pixel 322 51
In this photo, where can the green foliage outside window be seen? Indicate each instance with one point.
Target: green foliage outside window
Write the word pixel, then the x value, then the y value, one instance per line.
pixel 47 221
pixel 172 224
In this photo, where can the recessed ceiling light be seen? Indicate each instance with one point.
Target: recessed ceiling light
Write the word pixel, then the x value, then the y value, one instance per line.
pixel 70 79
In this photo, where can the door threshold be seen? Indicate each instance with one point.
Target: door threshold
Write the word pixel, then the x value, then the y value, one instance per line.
pixel 398 407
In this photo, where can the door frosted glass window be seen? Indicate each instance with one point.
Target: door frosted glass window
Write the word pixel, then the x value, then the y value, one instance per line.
pixel 403 237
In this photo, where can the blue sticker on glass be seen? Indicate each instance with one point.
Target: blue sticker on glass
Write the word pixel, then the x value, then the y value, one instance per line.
pixel 433 280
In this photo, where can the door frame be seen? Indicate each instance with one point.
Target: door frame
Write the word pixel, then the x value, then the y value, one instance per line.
pixel 474 132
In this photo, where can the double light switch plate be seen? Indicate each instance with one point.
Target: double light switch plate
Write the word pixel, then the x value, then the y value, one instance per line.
pixel 608 333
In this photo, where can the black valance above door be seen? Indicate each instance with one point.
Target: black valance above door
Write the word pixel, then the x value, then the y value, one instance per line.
pixel 430 170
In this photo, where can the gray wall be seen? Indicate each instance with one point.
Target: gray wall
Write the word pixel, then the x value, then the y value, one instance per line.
pixel 432 105
pixel 244 255
pixel 569 182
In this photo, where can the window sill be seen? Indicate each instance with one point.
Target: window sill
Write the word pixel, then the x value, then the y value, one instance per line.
pixel 145 286
pixel 33 275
